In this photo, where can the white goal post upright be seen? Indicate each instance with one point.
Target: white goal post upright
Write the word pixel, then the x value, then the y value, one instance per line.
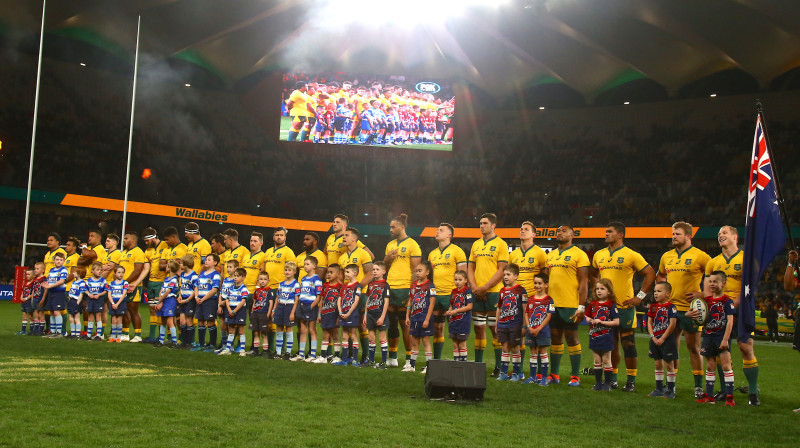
pixel 33 139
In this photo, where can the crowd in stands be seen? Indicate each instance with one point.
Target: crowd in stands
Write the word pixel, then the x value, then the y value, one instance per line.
pixel 649 164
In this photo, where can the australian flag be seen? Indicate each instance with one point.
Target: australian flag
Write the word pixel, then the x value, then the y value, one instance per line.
pixel 764 234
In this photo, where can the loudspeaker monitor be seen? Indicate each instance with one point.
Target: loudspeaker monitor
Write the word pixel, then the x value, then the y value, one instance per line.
pixel 455 379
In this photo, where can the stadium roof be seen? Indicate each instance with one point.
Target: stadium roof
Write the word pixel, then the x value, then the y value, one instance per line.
pixel 589 46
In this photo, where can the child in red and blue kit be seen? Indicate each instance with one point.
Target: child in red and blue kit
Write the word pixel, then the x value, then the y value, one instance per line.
pixel 601 314
pixel 510 323
pixel 717 337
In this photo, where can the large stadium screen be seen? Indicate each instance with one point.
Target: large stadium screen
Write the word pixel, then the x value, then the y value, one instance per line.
pixel 367 110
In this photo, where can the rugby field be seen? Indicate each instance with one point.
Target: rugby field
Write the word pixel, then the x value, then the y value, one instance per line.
pixel 86 394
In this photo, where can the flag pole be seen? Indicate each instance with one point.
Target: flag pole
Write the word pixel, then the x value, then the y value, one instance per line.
pixel 130 132
pixel 33 139
pixel 781 204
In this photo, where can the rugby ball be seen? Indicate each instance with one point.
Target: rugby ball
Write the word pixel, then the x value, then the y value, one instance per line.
pixel 700 306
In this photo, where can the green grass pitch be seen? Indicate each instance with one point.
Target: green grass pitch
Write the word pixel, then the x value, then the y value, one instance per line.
pixel 87 394
pixel 286 124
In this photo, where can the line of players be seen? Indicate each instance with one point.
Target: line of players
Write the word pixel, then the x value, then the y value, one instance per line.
pixel 685 271
pixel 380 115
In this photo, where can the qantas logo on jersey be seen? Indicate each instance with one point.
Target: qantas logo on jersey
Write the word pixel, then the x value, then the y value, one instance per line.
pixel 207 215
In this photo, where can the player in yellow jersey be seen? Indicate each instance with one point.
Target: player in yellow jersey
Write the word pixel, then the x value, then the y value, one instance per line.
pixel 310 243
pixel 253 263
pixel 530 258
pixel 156 250
pixel 274 262
pixel 568 268
pixel 731 261
pixel 684 267
pixel 71 261
pixel 487 260
pixel 402 257
pixel 196 246
pixel 111 261
pixel 334 247
pixel 276 257
pixel 445 260
pixel 300 110
pixel 361 258
pixel 91 252
pixel 618 264
pixel 234 251
pixel 137 269
pixel 53 247
pixel 217 241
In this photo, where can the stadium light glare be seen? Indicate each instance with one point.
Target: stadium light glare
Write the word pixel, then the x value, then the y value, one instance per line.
pixel 541 107
pixel 408 12
pixel 187 85
pixel 713 95
pixel 626 103
pixel 83 64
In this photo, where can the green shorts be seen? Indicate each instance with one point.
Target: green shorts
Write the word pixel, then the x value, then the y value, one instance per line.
pixel 398 297
pixel 562 319
pixel 135 296
pixel 686 324
pixel 486 306
pixel 442 303
pixel 153 291
pixel 627 318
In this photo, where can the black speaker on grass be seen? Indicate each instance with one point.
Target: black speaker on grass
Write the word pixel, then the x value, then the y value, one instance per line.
pixel 455 379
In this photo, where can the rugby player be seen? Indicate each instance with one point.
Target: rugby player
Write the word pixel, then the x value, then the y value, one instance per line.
pixel 275 260
pixel 487 260
pixel 300 109
pixel 445 260
pixel 310 243
pixel 196 245
pixel 156 250
pixel 568 268
pixel 618 263
pixel 730 261
pixel 253 264
pixel 334 246
pixel 361 258
pixel 402 257
pixel 137 268
pixel 684 267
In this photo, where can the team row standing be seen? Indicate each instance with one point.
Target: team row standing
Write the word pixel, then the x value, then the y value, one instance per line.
pixel 569 268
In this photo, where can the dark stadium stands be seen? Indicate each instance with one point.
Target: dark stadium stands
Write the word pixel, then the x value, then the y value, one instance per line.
pixel 648 164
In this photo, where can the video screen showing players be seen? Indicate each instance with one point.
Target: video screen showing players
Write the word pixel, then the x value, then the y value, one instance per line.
pixel 367 110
